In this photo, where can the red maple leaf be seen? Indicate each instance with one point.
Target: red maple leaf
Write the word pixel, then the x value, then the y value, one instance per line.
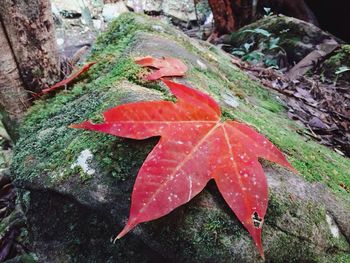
pixel 167 67
pixel 66 81
pixel 195 146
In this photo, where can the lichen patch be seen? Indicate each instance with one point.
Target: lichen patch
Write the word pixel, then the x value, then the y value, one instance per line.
pixel 332 226
pixel 83 162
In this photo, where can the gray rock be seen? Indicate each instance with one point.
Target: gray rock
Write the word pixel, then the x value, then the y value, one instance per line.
pixel 152 5
pixel 112 11
pixel 74 215
pixel 180 9
pixel 66 5
pixel 147 5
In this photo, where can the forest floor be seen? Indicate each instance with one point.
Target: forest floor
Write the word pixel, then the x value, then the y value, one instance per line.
pixel 319 105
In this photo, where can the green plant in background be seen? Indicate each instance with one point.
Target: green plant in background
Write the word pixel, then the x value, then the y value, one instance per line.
pixel 340 71
pixel 267 11
pixel 240 52
pixel 264 52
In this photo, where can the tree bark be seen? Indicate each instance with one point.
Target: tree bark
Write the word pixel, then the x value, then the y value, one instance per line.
pixel 29 27
pixel 13 97
pixel 224 16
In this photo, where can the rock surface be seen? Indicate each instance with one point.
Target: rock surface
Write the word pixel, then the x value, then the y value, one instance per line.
pixel 112 11
pixel 180 9
pixel 147 5
pixel 73 215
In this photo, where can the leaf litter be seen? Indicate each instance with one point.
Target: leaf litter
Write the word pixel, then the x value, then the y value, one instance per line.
pixel 322 107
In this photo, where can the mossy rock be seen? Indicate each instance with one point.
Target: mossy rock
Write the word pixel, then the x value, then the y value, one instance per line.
pixel 339 59
pixel 74 211
pixel 297 38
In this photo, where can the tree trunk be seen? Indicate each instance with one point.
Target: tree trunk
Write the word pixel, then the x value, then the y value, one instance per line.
pixel 13 97
pixel 29 27
pixel 224 16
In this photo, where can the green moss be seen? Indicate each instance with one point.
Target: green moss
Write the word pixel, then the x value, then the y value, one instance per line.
pixel 209 230
pixel 287 248
pixel 204 238
pixel 339 258
pixel 271 106
pixel 56 146
pixel 276 209
pixel 303 222
pixel 118 33
pixel 281 208
pixel 290 249
pixel 95 93
pixel 208 80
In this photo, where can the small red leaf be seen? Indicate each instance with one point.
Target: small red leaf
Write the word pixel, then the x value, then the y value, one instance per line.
pixel 167 67
pixel 195 146
pixel 67 80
